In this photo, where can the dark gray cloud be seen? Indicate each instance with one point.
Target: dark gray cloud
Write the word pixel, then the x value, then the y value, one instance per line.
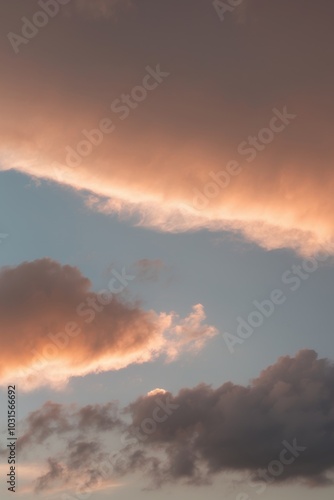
pixel 54 419
pixel 81 467
pixel 55 473
pixel 201 432
pixel 242 428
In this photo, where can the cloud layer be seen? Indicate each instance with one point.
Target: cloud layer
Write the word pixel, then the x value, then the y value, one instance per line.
pixel 192 124
pixel 202 432
pixel 61 328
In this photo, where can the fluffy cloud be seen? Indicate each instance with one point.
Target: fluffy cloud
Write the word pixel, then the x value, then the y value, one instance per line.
pixel 61 328
pixel 245 428
pixel 157 160
pixel 207 431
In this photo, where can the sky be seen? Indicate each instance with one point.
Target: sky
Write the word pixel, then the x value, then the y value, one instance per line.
pixel 166 249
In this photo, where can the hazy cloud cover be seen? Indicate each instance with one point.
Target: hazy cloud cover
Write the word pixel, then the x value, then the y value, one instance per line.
pixel 123 122
pixel 188 129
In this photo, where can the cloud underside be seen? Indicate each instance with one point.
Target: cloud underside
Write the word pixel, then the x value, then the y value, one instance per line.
pixel 207 431
pixel 61 328
pixel 99 9
pixel 156 164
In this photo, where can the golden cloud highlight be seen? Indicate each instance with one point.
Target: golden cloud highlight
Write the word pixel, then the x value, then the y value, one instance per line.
pixel 227 149
pixel 61 328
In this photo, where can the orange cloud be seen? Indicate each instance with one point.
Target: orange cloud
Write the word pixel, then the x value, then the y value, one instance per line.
pixel 61 328
pixel 161 148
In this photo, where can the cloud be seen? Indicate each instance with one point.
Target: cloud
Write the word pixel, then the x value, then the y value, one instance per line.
pixel 101 8
pixel 192 125
pixel 238 428
pixel 149 269
pixel 290 406
pixel 54 419
pixel 61 328
pixel 191 333
pixel 77 427
pixel 55 472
